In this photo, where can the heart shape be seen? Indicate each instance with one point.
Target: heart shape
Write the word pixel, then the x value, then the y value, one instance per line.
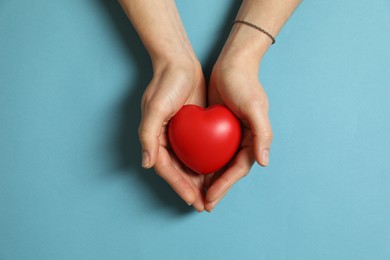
pixel 205 140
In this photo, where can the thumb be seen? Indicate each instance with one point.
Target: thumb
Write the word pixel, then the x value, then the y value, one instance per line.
pixel 262 133
pixel 149 133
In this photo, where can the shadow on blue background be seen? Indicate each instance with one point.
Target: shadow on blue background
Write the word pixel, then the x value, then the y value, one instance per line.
pixel 72 75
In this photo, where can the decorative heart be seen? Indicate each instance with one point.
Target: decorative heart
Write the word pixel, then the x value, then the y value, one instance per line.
pixel 205 140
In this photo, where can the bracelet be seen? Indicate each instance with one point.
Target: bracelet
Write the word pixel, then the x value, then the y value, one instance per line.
pixel 256 27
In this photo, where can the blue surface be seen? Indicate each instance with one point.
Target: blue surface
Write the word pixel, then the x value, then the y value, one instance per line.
pixel 71 77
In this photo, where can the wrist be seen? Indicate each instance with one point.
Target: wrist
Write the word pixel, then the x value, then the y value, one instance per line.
pixel 173 54
pixel 178 61
pixel 167 49
pixel 245 46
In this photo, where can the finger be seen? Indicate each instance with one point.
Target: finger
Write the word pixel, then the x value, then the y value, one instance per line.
pixel 209 179
pixel 240 168
pixel 149 132
pixel 257 116
pixel 165 168
pixel 209 206
pixel 198 203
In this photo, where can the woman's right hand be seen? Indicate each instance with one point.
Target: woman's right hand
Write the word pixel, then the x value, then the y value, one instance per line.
pixel 174 84
pixel 178 80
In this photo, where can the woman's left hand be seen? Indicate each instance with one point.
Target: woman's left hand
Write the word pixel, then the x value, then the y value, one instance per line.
pixel 236 85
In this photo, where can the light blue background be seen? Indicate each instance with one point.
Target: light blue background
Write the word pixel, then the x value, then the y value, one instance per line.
pixel 71 77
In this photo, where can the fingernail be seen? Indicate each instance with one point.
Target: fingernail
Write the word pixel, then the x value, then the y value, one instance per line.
pixel 145 159
pixel 265 157
pixel 212 207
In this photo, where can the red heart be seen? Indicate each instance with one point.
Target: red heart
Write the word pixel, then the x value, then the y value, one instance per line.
pixel 204 139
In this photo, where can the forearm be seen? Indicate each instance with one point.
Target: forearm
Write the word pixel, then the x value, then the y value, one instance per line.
pixel 249 43
pixel 160 28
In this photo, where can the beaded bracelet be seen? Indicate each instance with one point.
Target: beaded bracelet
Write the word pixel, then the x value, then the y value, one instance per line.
pixel 256 27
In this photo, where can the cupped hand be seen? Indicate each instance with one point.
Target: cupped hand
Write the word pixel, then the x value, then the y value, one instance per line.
pixel 174 84
pixel 236 86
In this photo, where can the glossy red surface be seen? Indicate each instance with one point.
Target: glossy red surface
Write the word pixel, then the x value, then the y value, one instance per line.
pixel 205 140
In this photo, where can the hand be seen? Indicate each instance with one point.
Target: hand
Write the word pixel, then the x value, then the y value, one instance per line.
pixel 174 84
pixel 235 84
pixel 177 80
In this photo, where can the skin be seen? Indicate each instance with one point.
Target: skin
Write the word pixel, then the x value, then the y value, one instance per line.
pixel 178 80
